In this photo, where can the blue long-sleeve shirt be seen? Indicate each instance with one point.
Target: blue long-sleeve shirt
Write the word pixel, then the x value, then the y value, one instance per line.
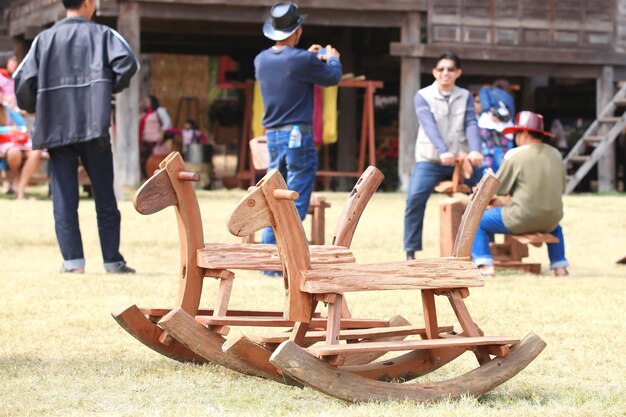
pixel 286 77
pixel 17 119
pixel 427 120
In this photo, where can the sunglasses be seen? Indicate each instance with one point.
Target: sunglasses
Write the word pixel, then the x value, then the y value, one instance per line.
pixel 443 69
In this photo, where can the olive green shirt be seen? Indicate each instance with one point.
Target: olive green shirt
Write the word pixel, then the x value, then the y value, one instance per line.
pixel 534 177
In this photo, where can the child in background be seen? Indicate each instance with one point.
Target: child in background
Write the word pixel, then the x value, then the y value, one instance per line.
pixel 191 134
pixel 160 151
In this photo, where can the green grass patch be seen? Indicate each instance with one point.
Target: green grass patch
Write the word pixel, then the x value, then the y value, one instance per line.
pixel 61 353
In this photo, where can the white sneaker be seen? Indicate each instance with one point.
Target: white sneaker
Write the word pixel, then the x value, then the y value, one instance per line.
pixel 487 270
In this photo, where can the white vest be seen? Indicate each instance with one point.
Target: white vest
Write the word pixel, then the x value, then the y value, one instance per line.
pixel 449 116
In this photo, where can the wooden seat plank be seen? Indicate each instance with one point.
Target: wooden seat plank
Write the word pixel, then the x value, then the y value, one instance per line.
pixel 535 238
pixel 316 323
pixel 406 345
pixel 351 334
pixel 437 273
pixel 249 256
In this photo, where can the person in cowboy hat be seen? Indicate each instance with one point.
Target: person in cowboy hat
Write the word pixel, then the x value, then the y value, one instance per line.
pixel 532 174
pixel 287 75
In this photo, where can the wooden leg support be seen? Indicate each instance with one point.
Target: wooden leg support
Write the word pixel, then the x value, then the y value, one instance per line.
pixel 469 327
pixel 221 303
pixel 333 328
pixel 300 328
pixel 430 322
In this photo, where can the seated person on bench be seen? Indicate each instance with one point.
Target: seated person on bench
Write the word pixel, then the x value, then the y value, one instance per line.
pixel 14 144
pixel 533 176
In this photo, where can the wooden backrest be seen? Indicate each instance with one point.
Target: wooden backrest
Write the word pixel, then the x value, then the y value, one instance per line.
pixel 473 214
pixel 352 210
pixel 271 204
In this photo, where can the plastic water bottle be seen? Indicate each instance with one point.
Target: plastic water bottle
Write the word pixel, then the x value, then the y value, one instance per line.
pixel 295 137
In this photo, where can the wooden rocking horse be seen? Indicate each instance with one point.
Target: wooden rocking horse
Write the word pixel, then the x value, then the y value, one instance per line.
pixel 171 186
pixel 322 366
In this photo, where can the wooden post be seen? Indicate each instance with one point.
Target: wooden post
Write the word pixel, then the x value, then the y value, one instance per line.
pixel 409 85
pixel 450 214
pixel 126 143
pixel 347 143
pixel 605 91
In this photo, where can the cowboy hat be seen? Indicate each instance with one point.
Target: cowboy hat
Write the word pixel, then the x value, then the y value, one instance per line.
pixel 528 121
pixel 284 20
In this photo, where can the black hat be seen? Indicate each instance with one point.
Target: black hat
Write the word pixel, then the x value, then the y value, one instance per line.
pixel 283 22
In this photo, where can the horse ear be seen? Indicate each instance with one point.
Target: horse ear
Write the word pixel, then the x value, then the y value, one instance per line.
pixel 251 214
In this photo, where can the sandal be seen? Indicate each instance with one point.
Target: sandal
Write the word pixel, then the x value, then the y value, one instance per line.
pixel 486 270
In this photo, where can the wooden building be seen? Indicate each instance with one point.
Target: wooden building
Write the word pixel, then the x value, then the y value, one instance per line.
pixel 559 52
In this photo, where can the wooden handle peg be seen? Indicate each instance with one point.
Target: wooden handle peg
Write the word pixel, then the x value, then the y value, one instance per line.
pixel 189 176
pixel 286 195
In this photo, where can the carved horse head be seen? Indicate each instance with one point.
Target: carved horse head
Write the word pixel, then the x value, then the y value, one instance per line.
pixel 271 204
pixel 171 186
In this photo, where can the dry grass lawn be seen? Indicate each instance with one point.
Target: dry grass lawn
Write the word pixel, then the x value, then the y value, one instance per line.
pixel 61 353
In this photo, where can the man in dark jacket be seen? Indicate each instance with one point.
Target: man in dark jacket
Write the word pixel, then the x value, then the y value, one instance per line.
pixel 67 79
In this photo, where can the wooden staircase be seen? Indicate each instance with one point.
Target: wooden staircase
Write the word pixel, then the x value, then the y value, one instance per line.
pixel 597 139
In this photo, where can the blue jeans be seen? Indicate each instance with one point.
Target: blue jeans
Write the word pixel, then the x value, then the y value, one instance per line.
pixel 98 162
pixel 424 177
pixel 492 223
pixel 297 165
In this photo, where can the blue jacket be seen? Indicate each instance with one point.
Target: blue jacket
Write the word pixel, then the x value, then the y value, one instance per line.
pixel 68 78
pixel 489 97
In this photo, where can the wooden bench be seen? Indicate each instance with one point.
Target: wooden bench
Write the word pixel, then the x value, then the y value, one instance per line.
pixel 40 177
pixel 507 255
pixel 320 366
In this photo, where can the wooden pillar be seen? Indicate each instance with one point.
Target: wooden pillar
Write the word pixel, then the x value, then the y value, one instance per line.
pixel 126 143
pixel 605 90
pixel 346 124
pixel 409 85
pixel 529 88
pixel 145 77
pixel 528 94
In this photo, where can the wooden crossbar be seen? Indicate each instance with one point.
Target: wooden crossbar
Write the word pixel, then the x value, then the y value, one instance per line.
pixel 248 256
pixel 316 323
pixel 319 336
pixel 409 345
pixel 160 312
